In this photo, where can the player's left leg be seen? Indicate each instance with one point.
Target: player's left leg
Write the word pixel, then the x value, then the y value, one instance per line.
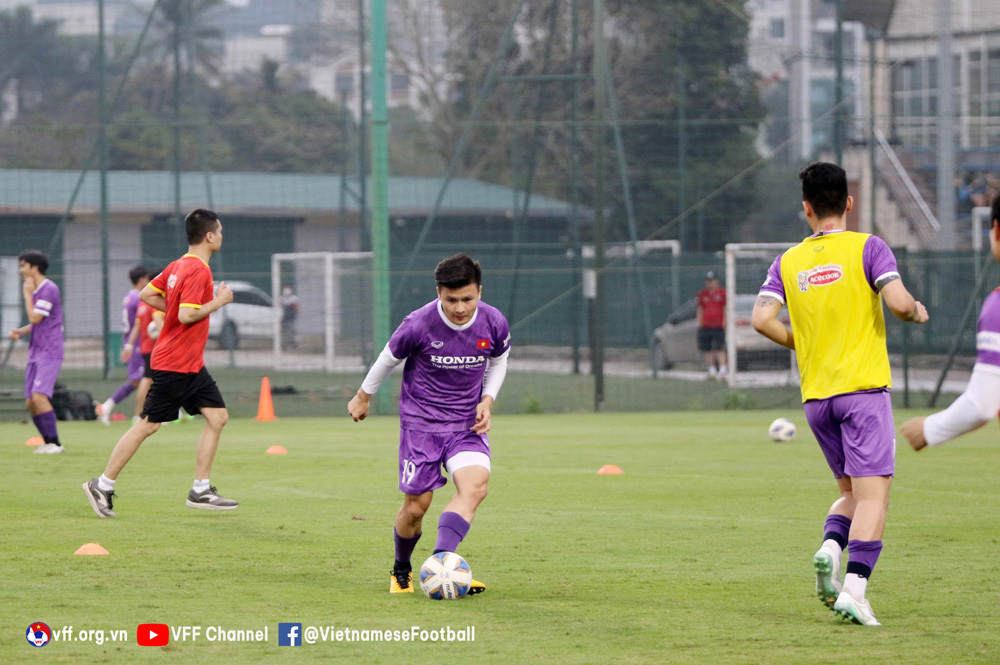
pixel 456 520
pixel 39 387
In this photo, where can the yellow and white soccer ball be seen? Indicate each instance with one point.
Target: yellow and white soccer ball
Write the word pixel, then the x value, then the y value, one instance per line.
pixel 782 429
pixel 445 576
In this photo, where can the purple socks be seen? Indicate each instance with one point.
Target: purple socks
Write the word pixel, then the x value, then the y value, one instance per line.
pixel 452 528
pixel 862 555
pixel 837 529
pixel 404 548
pixel 46 424
pixel 123 391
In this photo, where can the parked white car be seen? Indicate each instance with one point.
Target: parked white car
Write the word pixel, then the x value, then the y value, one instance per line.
pixel 251 315
pixel 676 340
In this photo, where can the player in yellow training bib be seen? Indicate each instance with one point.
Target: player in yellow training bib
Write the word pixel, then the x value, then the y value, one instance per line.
pixel 833 283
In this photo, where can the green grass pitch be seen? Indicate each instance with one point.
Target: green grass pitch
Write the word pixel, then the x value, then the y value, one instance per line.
pixel 699 553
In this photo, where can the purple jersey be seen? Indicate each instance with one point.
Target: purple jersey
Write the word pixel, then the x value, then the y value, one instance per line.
pixel 445 365
pixel 130 308
pixel 878 261
pixel 47 335
pixel 988 332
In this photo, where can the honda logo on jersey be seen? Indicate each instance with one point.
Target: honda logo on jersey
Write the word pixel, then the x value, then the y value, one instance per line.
pixel 483 344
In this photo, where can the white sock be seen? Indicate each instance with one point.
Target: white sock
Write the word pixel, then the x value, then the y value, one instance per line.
pixel 724 369
pixel 856 585
pixel 834 548
pixel 105 484
pixel 108 405
pixel 201 485
pixel 712 370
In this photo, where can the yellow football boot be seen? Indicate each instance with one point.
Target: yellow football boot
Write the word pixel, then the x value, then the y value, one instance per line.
pixel 475 587
pixel 401 581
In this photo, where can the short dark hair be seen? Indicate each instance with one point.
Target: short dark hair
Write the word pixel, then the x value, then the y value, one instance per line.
pixel 137 273
pixel 824 187
pixel 35 258
pixel 198 223
pixel 995 213
pixel 457 271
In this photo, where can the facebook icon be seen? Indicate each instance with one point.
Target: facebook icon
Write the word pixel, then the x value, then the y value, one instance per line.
pixel 289 634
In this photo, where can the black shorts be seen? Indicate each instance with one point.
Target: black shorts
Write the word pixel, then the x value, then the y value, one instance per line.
pixel 147 372
pixel 711 339
pixel 172 390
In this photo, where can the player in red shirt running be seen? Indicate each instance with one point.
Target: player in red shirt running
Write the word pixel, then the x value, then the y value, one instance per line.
pixel 712 326
pixel 184 292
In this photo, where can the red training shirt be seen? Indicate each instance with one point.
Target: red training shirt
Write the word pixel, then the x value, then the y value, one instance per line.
pixel 187 282
pixel 713 307
pixel 144 316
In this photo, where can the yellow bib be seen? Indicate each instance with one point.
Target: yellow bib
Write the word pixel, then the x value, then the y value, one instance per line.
pixel 836 317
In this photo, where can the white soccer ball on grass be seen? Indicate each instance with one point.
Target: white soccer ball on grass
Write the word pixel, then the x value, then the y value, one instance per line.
pixel 782 429
pixel 445 576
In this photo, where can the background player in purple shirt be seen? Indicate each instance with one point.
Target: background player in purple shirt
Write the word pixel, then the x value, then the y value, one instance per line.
pixel 455 349
pixel 980 402
pixel 139 276
pixel 45 351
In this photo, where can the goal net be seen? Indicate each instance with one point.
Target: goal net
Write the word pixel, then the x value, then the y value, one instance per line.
pixel 754 360
pixel 325 305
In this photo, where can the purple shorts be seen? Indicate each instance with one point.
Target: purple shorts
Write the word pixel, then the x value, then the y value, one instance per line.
pixel 40 377
pixel 856 433
pixel 135 366
pixel 421 455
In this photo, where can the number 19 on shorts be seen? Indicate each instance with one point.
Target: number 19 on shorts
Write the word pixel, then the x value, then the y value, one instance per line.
pixel 406 472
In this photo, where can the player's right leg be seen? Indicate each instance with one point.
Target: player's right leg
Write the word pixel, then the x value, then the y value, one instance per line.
pixel 826 563
pixel 202 396
pixel 870 449
pixel 406 532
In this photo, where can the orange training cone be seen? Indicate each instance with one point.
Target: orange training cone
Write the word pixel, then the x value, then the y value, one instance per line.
pixel 91 548
pixel 265 408
pixel 34 441
pixel 277 450
pixel 609 468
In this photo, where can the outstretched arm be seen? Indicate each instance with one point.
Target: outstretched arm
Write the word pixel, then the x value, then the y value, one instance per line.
pixel 974 408
pixel 765 321
pixel 360 405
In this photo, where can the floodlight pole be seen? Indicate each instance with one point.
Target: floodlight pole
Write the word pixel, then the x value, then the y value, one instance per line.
pixel 600 104
pixel 103 149
pixel 838 112
pixel 380 190
pixel 946 132
pixel 574 224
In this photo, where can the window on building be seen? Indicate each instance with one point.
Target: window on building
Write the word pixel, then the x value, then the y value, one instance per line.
pixel 777 28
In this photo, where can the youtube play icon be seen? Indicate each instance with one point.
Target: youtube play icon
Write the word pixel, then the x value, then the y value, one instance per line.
pixel 152 635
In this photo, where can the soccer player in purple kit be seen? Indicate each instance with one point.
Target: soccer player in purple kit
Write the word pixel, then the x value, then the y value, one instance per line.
pixel 980 402
pixel 455 349
pixel 45 351
pixel 833 283
pixel 130 329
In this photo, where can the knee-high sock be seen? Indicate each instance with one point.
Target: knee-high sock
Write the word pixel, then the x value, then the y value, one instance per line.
pixel 123 391
pixel 404 547
pixel 452 528
pixel 46 424
pixel 837 529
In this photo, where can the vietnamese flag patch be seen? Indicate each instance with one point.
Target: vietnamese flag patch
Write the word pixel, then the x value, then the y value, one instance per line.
pixel 483 344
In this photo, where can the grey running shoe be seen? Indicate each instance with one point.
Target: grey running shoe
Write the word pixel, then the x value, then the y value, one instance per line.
pixel 100 501
pixel 828 583
pixel 48 449
pixel 858 611
pixel 210 500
